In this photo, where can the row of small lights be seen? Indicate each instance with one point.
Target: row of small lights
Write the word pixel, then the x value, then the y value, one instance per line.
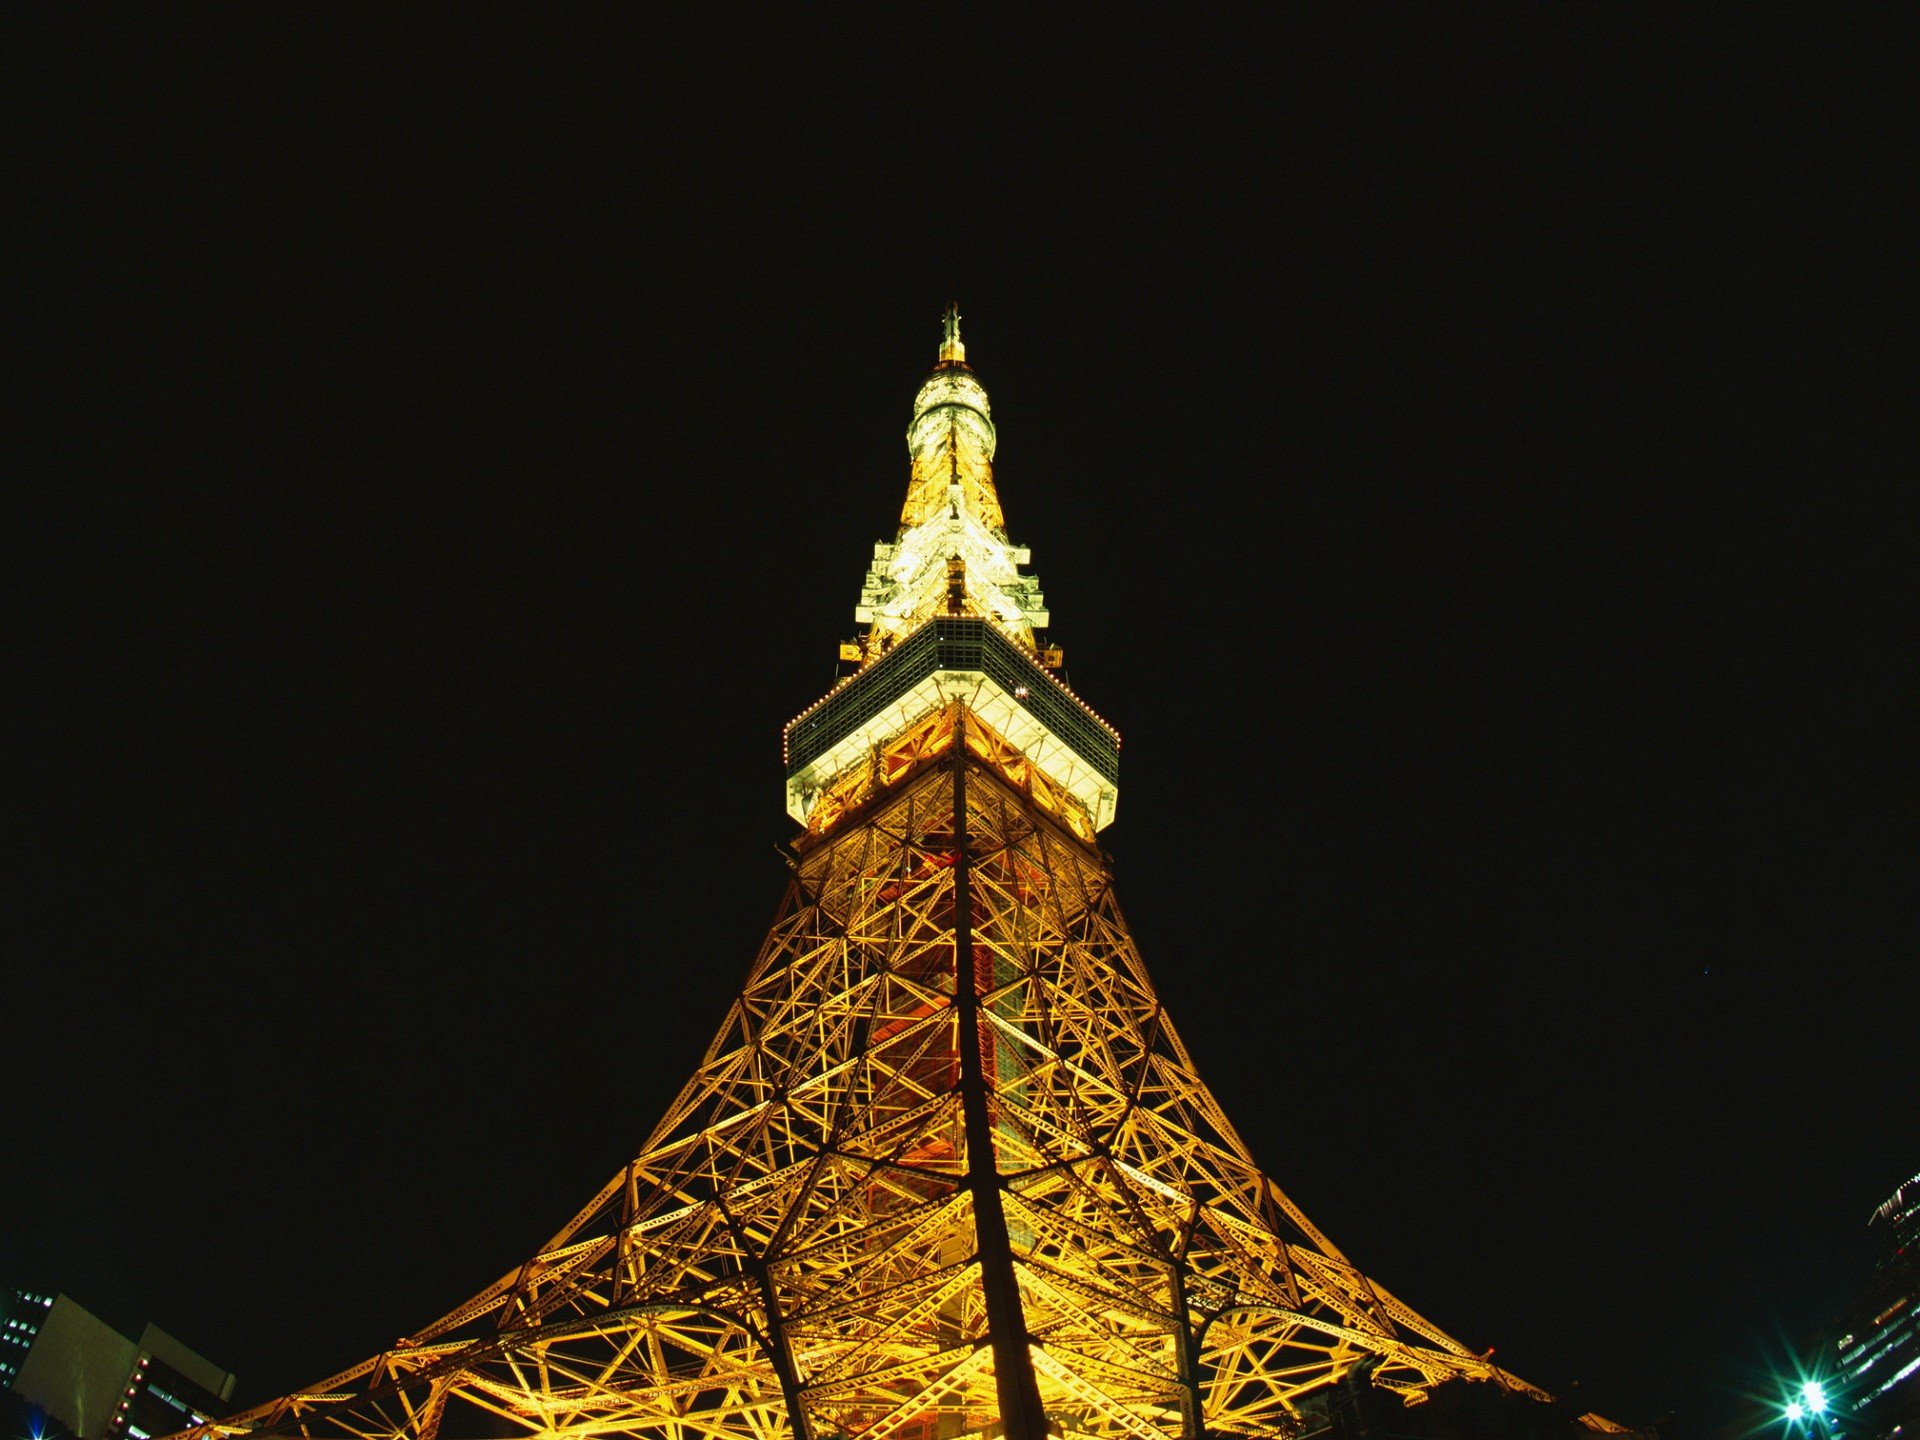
pixel 139 1374
pixel 838 686
pixel 1091 712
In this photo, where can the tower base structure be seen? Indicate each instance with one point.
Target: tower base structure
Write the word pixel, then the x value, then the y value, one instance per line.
pixel 946 1170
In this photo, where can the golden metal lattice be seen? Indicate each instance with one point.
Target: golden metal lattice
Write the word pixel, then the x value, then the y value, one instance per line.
pixel 947 1169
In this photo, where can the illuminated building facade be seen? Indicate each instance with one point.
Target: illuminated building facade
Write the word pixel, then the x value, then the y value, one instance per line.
pixel 947 1168
pixel 67 1372
pixel 1876 1376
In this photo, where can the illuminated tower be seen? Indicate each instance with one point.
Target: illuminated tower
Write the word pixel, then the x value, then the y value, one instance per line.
pixel 946 1169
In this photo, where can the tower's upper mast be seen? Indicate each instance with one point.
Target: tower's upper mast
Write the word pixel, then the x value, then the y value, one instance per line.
pixel 950 346
pixel 952 546
pixel 950 620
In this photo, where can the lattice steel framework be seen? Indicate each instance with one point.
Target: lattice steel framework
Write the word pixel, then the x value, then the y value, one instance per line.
pixel 946 1170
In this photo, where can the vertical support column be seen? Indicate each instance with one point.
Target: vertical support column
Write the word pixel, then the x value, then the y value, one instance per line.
pixel 1186 1357
pixel 781 1353
pixel 1019 1389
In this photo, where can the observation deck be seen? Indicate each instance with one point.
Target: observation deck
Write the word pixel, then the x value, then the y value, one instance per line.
pixel 952 658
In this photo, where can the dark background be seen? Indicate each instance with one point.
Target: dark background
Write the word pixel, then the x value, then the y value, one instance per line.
pixel 1460 457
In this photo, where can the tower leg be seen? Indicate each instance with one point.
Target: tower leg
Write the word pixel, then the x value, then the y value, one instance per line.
pixel 1018 1389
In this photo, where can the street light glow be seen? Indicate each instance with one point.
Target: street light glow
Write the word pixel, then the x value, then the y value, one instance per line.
pixel 1795 1410
pixel 1815 1396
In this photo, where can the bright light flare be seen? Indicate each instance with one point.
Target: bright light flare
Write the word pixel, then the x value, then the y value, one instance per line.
pixel 1814 1396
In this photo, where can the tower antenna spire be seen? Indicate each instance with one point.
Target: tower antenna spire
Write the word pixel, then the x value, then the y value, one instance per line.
pixel 950 347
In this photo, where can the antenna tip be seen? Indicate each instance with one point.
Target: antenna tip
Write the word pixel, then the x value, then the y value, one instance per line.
pixel 950 347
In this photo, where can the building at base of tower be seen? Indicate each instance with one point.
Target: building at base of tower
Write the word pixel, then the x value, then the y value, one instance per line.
pixel 1874 1376
pixel 66 1373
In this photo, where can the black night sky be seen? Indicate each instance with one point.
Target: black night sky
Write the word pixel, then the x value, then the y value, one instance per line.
pixel 1459 457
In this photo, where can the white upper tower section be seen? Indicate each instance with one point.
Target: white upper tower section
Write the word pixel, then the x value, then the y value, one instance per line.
pixel 951 556
pixel 950 634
